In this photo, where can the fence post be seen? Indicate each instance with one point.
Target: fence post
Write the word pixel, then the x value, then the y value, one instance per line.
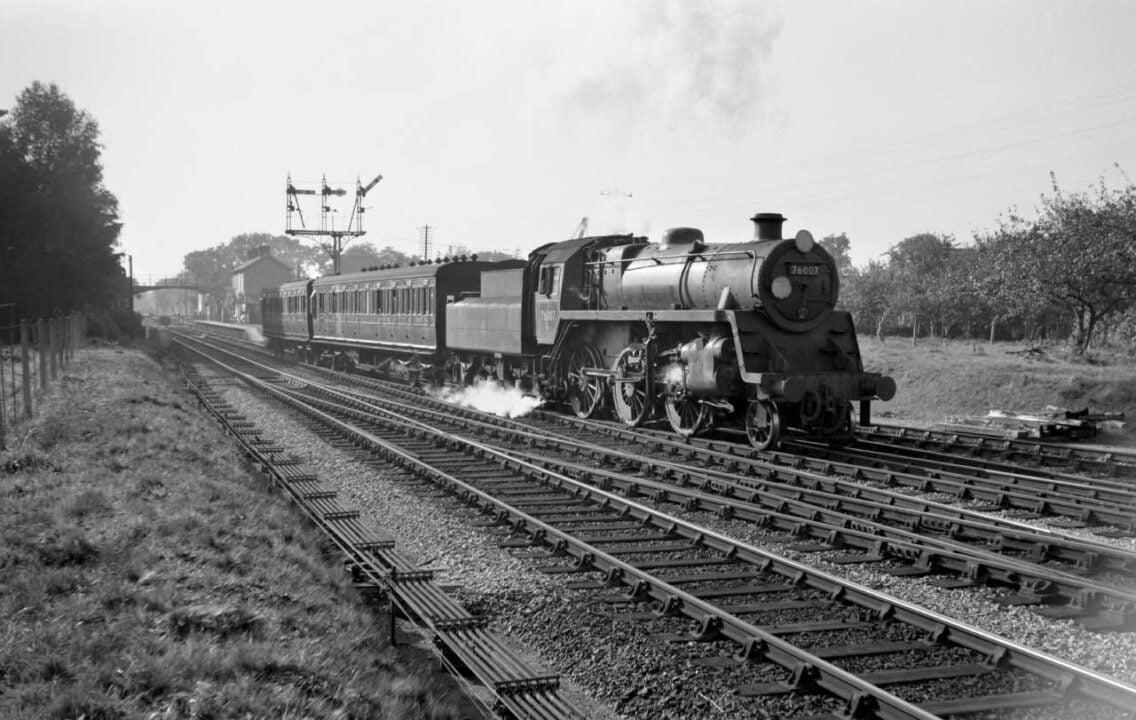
pixel 25 363
pixel 41 344
pixel 76 342
pixel 53 343
pixel 69 338
pixel 3 404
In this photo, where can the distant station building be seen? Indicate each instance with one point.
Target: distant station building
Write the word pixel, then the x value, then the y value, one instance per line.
pixel 261 270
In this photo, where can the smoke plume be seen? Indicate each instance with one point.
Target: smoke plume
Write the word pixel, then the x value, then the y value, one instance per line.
pixel 682 63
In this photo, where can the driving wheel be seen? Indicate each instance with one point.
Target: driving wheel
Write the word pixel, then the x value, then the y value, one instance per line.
pixel 688 417
pixel 629 385
pixel 585 392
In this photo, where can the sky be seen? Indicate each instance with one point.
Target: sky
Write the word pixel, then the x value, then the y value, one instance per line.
pixel 502 124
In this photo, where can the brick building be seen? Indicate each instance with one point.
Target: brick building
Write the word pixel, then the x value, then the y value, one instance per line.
pixel 261 270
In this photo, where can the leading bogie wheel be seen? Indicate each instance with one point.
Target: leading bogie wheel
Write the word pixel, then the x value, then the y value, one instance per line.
pixel 763 424
pixel 585 392
pixel 629 386
pixel 842 430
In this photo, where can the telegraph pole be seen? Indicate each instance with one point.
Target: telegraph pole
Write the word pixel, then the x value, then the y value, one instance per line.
pixel 426 241
pixel 130 263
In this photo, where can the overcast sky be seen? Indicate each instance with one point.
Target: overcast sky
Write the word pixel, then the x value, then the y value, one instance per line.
pixel 502 124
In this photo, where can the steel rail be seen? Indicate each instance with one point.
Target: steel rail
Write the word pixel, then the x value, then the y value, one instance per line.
pixel 518 689
pixel 1015 493
pixel 838 517
pixel 1115 460
pixel 861 698
pixel 963 487
pixel 928 461
pixel 874 509
pixel 826 516
pixel 1098 606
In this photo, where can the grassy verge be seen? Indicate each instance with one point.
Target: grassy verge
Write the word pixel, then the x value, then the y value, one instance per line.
pixel 940 379
pixel 144 573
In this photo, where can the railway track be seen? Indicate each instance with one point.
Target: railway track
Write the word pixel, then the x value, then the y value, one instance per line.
pixel 520 689
pixel 922 537
pixel 740 603
pixel 914 441
pixel 1058 576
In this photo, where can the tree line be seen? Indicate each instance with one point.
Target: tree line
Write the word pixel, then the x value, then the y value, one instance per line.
pixel 59 225
pixel 1068 274
pixel 212 268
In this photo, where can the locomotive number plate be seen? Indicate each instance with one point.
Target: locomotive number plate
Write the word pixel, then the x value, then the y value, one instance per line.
pixel 803 269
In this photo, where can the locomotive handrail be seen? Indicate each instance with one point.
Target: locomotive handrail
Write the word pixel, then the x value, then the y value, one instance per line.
pixel 658 259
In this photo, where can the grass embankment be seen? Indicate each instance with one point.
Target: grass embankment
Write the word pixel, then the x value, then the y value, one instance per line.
pixel 144 573
pixel 940 379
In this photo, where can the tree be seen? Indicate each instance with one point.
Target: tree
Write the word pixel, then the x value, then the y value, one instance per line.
pixel 920 270
pixel 58 224
pixel 870 295
pixel 1080 254
pixel 838 247
pixel 364 254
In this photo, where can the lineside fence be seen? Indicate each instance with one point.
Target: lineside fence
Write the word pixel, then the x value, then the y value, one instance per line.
pixel 32 354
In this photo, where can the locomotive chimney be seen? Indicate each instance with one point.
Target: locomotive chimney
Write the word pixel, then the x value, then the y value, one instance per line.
pixel 768 226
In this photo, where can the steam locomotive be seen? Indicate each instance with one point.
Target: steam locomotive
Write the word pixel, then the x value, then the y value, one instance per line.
pixel 742 334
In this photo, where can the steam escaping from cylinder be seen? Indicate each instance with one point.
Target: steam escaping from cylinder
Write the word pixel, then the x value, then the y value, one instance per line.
pixel 494 398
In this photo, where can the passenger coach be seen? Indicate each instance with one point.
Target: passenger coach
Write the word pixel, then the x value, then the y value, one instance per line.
pixel 377 318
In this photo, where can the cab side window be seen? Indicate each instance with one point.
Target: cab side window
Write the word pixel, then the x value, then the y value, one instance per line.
pixel 549 281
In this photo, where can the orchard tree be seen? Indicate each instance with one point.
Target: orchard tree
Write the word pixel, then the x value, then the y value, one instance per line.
pixel 838 246
pixel 920 270
pixel 869 293
pixel 1080 255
